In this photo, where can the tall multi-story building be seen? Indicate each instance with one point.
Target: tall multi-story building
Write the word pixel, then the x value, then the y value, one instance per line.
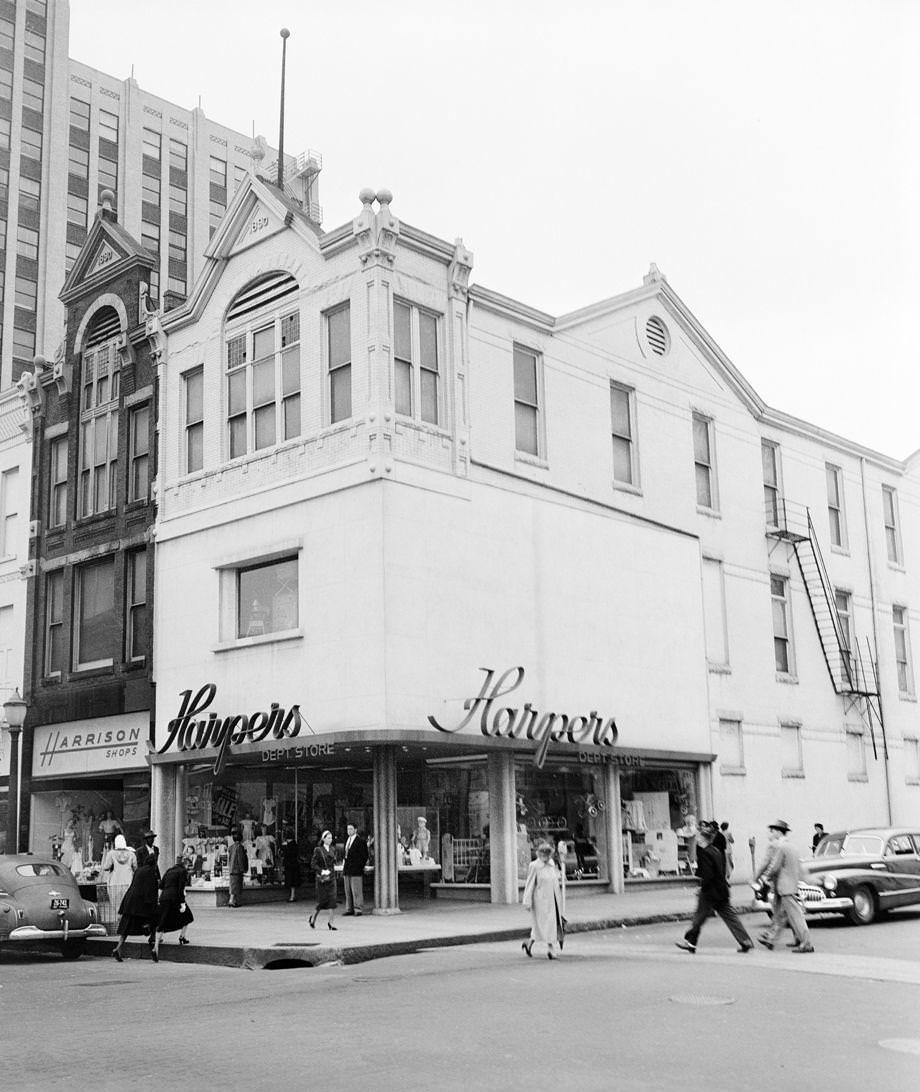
pixel 67 132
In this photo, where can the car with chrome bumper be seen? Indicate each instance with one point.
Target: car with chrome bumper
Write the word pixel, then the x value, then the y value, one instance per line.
pixel 861 874
pixel 41 904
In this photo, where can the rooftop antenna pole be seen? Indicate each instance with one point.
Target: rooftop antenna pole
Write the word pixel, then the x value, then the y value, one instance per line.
pixel 285 34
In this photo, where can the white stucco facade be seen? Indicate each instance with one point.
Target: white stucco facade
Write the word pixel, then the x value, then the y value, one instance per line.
pixel 426 552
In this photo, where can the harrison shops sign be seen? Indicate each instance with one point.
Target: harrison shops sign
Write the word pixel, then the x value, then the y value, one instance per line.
pixel 527 722
pixel 213 730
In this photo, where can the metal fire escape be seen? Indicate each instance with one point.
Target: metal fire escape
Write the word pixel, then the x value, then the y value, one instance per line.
pixel 853 670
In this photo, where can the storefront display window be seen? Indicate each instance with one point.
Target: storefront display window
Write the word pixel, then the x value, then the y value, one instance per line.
pixel 443 820
pixel 659 812
pixel 76 822
pixel 562 805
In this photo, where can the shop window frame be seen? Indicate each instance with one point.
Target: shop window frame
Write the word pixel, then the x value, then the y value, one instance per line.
pixel 228 574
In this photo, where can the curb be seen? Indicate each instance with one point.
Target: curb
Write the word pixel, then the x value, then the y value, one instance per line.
pixel 318 955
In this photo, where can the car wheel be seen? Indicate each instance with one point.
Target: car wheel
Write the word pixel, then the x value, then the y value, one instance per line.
pixel 73 949
pixel 864 908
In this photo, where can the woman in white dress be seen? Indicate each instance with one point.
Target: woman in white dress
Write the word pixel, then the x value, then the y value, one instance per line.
pixel 121 864
pixel 542 898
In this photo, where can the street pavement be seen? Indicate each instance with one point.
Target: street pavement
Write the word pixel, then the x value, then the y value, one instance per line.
pixel 621 1009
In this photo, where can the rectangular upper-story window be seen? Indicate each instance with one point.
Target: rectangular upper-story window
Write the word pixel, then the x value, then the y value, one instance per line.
pixel 137 632
pixel 704 462
pixel 194 420
pixel 912 760
pixel 623 434
pixel 267 597
pixel 527 403
pixel 108 126
pixel 9 511
pixel 77 210
pixel 338 357
pixel 178 155
pixel 78 162
pixel 714 614
pixel 416 361
pixel 151 142
pixel 34 46
pixel 33 95
pixel 782 630
pixel 902 655
pixel 139 453
pixel 79 114
pixel 7 33
pixel 30 143
pixel 95 627
pixel 892 530
pixel 99 429
pixel 843 602
pixel 856 755
pixel 26 242
pixel 790 739
pixel 30 195
pixel 263 384
pixel 54 622
pixel 835 511
pixel 57 500
pixel 769 457
pixel 731 746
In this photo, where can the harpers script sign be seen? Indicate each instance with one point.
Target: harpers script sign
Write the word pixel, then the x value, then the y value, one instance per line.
pixel 188 734
pixel 527 722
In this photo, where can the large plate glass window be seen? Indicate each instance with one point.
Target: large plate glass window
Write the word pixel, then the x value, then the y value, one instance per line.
pixel 267 598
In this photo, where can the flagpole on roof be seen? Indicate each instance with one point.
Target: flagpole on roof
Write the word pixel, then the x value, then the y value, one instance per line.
pixel 285 34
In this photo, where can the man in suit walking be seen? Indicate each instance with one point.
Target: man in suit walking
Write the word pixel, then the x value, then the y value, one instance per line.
pixel 714 893
pixel 783 870
pixel 355 859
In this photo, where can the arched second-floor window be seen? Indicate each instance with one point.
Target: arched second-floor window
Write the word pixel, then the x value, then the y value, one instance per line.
pixel 99 413
pixel 262 338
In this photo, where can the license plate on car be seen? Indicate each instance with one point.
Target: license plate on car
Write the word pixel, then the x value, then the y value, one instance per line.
pixel 60 904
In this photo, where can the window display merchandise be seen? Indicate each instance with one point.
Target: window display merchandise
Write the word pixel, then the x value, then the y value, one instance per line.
pixel 658 819
pixel 565 806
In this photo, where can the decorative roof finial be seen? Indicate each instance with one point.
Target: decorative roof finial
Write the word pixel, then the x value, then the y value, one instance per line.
pixel 107 205
pixel 654 275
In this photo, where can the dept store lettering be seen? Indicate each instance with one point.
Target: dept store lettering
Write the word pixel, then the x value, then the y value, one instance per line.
pixel 527 722
pixel 213 731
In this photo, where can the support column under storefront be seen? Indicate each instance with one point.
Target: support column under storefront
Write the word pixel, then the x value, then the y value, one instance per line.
pixel 613 825
pixel 179 820
pixel 386 873
pixel 164 805
pixel 502 828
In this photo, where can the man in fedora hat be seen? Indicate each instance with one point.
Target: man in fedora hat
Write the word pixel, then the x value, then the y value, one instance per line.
pixel 783 870
pixel 147 850
pixel 714 894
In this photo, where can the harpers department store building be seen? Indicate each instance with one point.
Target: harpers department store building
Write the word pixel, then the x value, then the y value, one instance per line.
pixel 376 483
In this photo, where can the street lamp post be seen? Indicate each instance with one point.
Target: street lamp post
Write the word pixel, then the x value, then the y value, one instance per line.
pixel 14 715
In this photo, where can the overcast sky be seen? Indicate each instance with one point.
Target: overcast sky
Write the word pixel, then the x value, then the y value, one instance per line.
pixel 765 156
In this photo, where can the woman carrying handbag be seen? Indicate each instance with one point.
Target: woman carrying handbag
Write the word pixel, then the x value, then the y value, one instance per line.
pixel 543 899
pixel 323 865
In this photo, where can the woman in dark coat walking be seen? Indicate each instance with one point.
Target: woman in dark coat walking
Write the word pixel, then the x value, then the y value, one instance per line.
pixel 323 865
pixel 290 858
pixel 174 912
pixel 138 909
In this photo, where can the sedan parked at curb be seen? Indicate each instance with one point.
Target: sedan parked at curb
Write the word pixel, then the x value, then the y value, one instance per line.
pixel 40 903
pixel 861 874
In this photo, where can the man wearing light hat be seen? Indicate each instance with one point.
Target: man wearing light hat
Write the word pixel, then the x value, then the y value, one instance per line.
pixel 783 870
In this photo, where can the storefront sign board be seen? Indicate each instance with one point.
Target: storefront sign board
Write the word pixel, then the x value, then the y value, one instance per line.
pixel 102 745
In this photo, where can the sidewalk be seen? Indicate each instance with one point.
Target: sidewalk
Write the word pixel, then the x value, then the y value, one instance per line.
pixel 261 936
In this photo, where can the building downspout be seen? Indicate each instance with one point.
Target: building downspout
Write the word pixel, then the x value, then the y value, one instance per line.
pixel 873 602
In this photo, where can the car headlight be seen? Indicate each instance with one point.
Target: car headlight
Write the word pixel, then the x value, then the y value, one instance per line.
pixel 830 883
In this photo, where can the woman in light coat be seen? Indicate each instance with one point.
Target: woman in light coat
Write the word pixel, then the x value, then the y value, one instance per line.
pixel 542 898
pixel 121 864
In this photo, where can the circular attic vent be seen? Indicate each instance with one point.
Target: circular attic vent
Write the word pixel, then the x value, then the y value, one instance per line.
pixel 656 334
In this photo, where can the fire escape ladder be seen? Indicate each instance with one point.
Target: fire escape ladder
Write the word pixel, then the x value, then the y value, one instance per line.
pixel 853 672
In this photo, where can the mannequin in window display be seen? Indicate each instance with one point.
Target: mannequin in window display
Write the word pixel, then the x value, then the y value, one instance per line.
pixel 265 849
pixel 269 805
pixel 69 844
pixel 248 826
pixel 421 839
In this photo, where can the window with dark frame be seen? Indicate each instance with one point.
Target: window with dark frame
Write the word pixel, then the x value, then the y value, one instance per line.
pixel 57 501
pixel 526 402
pixel 139 453
pixel 95 626
pixel 782 646
pixel 136 622
pixel 194 420
pixel 54 622
pixel 267 598
pixel 99 428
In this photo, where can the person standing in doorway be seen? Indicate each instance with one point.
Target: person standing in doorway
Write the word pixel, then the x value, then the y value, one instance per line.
pixel 353 871
pixel 543 898
pixel 729 850
pixel 817 837
pixel 714 894
pixel 783 870
pixel 290 859
pixel 323 865
pixel 237 866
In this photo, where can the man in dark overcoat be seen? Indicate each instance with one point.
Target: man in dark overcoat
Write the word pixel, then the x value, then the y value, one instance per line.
pixel 714 894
